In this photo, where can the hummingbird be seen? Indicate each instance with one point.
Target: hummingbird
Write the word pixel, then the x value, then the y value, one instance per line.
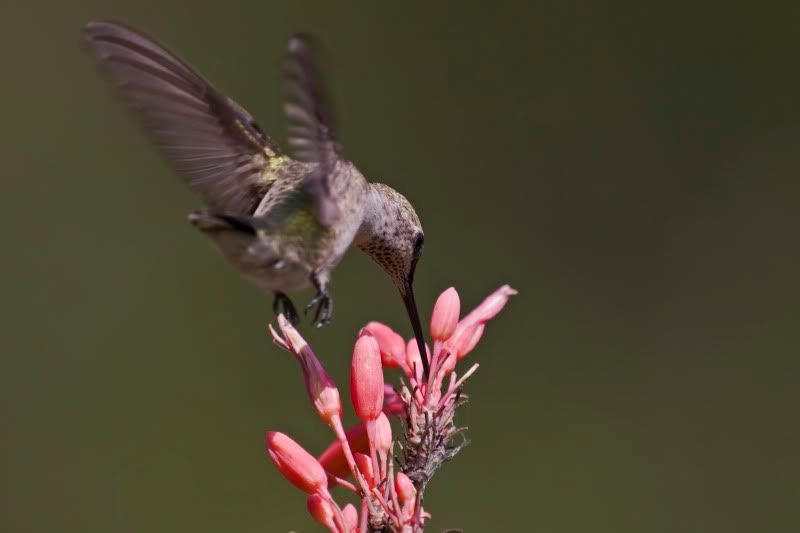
pixel 284 220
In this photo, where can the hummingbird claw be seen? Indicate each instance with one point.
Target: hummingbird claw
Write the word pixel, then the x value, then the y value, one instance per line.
pixel 322 300
pixel 324 312
pixel 282 304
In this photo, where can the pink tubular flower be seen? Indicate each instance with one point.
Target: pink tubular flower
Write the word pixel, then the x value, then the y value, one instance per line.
pixel 465 339
pixel 470 329
pixel 390 343
pixel 445 315
pixel 321 511
pixel 350 517
pixel 491 305
pixel 297 465
pixel 321 389
pixel 366 378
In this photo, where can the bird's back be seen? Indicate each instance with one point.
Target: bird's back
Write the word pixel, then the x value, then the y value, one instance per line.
pixel 291 228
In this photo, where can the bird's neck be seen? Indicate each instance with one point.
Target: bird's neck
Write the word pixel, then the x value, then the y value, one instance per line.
pixel 387 231
pixel 375 223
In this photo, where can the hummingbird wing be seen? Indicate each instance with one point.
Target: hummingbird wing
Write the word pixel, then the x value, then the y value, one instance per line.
pixel 211 141
pixel 312 134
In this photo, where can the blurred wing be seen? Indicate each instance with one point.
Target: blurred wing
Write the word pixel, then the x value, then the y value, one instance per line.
pixel 311 125
pixel 212 142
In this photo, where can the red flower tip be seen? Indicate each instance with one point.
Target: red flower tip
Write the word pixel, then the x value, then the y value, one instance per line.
pixel 350 517
pixel 297 465
pixel 366 378
pixel 382 437
pixel 364 464
pixel 320 387
pixel 404 487
pixel 390 343
pixel 445 315
pixel 321 511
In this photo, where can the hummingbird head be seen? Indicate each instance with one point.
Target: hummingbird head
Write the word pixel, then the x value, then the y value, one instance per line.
pixel 391 235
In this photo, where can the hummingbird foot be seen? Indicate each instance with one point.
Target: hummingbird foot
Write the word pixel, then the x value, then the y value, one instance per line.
pixel 324 313
pixel 323 301
pixel 282 304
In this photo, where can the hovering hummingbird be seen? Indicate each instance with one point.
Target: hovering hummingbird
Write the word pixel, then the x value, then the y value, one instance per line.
pixel 283 221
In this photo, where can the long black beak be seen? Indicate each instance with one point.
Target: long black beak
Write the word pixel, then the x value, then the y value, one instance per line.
pixel 413 315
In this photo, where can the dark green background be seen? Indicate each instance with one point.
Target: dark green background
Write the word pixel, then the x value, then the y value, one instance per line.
pixel 631 168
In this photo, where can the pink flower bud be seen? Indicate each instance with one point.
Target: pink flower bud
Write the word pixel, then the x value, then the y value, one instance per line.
pixel 390 343
pixel 364 464
pixel 414 360
pixel 445 315
pixel 366 378
pixel 350 517
pixel 321 511
pixel 382 438
pixel 320 387
pixel 297 465
pixel 492 305
pixel 333 458
pixel 404 487
pixel 465 338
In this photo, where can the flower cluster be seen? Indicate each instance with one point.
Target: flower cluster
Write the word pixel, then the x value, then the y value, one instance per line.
pixel 390 487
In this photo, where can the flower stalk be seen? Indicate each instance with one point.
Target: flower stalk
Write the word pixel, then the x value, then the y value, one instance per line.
pixel 391 486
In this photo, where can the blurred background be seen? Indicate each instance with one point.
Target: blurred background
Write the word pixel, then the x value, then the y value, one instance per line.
pixel 631 168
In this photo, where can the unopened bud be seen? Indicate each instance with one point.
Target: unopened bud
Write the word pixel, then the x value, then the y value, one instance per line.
pixel 321 511
pixel 366 378
pixel 382 438
pixel 404 487
pixel 350 517
pixel 364 464
pixel 297 465
pixel 445 315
